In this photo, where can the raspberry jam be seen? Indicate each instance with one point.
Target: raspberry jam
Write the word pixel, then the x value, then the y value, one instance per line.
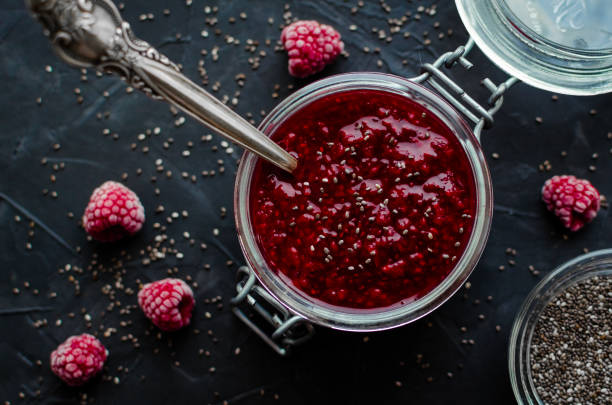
pixel 380 208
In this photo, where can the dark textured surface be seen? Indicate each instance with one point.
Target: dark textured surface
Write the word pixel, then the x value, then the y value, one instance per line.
pixel 333 368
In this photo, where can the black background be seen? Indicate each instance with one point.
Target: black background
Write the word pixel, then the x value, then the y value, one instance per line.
pixel 334 367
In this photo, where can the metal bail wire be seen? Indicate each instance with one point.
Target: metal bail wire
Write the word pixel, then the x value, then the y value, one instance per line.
pixel 289 330
pixel 453 93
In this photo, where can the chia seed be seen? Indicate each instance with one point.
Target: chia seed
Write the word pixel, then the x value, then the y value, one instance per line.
pixel 571 348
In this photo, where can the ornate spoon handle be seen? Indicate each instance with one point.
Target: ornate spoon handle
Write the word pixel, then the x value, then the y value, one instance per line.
pixel 87 33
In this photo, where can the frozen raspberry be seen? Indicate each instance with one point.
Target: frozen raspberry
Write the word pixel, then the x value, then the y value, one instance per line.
pixel 573 200
pixel 310 46
pixel 114 211
pixel 167 303
pixel 78 359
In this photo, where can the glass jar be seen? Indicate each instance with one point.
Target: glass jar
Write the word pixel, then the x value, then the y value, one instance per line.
pixel 351 319
pixel 598 263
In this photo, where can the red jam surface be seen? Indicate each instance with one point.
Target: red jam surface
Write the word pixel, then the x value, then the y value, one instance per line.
pixel 380 208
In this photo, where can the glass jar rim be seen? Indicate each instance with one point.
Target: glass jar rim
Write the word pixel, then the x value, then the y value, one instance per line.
pixel 561 278
pixel 542 64
pixel 505 10
pixel 379 318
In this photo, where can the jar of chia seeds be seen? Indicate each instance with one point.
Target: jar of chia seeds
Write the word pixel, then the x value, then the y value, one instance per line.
pixel 560 342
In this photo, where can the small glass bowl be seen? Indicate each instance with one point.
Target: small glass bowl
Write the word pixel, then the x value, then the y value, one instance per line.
pixel 351 319
pixel 598 263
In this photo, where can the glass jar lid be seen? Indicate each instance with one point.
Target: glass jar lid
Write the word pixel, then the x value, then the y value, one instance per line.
pixel 564 46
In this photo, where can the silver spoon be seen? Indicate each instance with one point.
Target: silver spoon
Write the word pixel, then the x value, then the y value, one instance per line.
pixel 91 33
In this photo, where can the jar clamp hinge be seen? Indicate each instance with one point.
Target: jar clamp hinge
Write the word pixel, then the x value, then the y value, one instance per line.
pixel 289 330
pixel 482 117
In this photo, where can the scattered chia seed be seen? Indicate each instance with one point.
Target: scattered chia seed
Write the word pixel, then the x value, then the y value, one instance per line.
pixel 571 348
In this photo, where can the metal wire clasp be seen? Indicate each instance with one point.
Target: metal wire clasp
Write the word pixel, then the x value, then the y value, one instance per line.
pixel 482 117
pixel 289 330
